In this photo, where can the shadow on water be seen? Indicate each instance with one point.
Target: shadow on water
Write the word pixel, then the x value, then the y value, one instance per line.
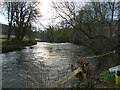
pixel 39 66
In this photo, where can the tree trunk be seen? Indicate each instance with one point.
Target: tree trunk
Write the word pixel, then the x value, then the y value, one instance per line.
pixel 9 32
pixel 118 32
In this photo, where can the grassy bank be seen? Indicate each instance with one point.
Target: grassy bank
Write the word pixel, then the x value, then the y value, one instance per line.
pixel 3 40
pixel 106 80
pixel 8 46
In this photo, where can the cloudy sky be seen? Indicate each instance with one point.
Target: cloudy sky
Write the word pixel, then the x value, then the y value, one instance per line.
pixel 46 11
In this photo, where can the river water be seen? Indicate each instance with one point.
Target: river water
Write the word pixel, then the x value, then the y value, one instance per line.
pixel 40 65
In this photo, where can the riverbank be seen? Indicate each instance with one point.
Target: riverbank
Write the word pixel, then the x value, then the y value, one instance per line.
pixel 104 78
pixel 9 46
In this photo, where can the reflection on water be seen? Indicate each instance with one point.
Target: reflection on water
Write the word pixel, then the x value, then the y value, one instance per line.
pixel 39 66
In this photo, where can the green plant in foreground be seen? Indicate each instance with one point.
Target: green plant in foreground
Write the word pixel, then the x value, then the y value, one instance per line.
pixel 108 80
pixel 108 75
pixel 83 85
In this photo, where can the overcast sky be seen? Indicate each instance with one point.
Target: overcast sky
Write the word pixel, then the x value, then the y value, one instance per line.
pixel 46 11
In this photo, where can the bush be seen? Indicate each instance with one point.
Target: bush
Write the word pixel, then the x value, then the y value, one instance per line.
pixel 100 44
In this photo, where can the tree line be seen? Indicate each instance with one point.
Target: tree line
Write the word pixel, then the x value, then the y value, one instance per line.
pixel 94 24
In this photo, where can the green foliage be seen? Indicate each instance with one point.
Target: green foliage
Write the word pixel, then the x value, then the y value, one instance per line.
pixel 3 40
pixel 62 35
pixel 50 34
pixel 108 75
pixel 107 80
pixel 17 45
pixel 56 35
pixel 26 39
pixel 83 85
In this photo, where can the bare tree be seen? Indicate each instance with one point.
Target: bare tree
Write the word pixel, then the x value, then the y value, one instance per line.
pixel 20 16
pixel 9 7
pixel 105 13
pixel 89 16
pixel 69 12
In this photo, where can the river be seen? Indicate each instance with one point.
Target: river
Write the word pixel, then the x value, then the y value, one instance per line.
pixel 40 65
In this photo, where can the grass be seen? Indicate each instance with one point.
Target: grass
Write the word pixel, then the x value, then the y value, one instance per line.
pixel 5 36
pixel 3 40
pixel 107 80
pixel 8 46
